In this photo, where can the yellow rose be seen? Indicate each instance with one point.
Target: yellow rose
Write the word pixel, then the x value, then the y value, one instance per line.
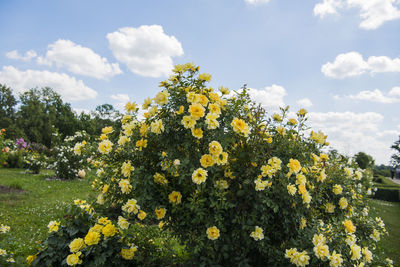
pixel 212 233
pixel 92 238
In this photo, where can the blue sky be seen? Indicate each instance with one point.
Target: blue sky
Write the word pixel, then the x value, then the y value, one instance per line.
pixel 340 59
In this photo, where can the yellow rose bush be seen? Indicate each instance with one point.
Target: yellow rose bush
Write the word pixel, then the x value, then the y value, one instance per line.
pixel 239 188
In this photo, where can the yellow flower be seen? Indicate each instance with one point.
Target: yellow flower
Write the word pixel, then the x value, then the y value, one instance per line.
pixel 302 189
pixel 318 239
pixel 375 235
pixel 321 250
pixel 343 203
pixel 160 213
pixel 131 206
pixel 188 122
pixel 367 254
pixel 100 199
pixel 221 184
pixel 215 148
pixel 142 215
pixel 123 139
pixel 337 189
pixel 123 223
pixel 107 130
pixel 300 179
pixel 350 228
pixel 105 188
pixel 291 189
pixel 144 128
pixel 260 184
pixel 141 144
pixel 211 121
pixel 53 226
pixel 109 230
pixel 257 234
pixel 214 109
pixel 92 238
pixel 175 197
pixel 300 259
pixel 306 198
pixel 196 111
pixel 302 112
pixel 212 233
pixel 322 176
pixel 105 146
pixel 206 161
pixel 102 137
pixel 128 253
pixel 181 110
pixel 240 126
pixel 289 253
pixel 324 157
pixel 199 176
pixel 303 223
pixel 355 252
pixel 205 77
pixel 126 118
pixel 157 127
pixel 329 208
pixel 125 186
pixel 127 168
pixel 335 259
pixel 222 158
pixel 76 245
pixel 162 98
pixel 130 106
pixel 159 178
pixel 318 137
pixel 96 228
pixel 224 90
pixel 294 166
pixel 203 100
pixel 292 121
pixel 277 117
pixel 30 259
pixel 198 133
pixel 73 259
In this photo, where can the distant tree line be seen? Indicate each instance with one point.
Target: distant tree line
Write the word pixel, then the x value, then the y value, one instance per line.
pixel 37 114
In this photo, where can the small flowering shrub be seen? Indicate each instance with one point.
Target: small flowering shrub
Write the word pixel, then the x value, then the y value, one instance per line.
pixel 6 257
pixel 71 157
pixel 88 239
pixel 239 188
pixel 35 157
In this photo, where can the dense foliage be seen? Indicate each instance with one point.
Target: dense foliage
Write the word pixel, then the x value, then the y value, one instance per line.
pixel 237 187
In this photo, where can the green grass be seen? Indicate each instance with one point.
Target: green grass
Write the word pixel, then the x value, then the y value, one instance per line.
pixel 28 212
pixel 390 213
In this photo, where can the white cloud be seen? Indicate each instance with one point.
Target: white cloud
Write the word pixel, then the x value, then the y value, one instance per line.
pixel 393 96
pixel 14 54
pixel 146 50
pixel 271 97
pixel 350 132
pixel 256 2
pixel 304 103
pixel 81 110
pixel 345 65
pixel 352 64
pixel 374 13
pixel 79 60
pixel 68 87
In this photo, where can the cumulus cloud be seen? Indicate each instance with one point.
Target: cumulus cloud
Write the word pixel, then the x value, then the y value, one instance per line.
pixel 374 13
pixel 353 64
pixel 256 2
pixel 79 60
pixel 14 54
pixel 393 96
pixel 271 97
pixel 146 50
pixel 304 102
pixel 351 132
pixel 68 87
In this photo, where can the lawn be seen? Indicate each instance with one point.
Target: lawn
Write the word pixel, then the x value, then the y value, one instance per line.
pixel 390 213
pixel 32 203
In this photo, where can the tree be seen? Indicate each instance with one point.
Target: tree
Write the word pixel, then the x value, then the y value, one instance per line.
pixel 7 112
pixel 395 159
pixel 42 113
pixel 364 160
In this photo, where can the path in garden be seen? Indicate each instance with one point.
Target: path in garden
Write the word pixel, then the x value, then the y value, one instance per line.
pixel 397 181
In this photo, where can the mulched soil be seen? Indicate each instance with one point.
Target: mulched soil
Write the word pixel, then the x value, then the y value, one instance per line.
pixel 9 190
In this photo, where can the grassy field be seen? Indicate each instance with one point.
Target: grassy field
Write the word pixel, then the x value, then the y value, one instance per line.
pixel 390 213
pixel 31 204
pixel 34 201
